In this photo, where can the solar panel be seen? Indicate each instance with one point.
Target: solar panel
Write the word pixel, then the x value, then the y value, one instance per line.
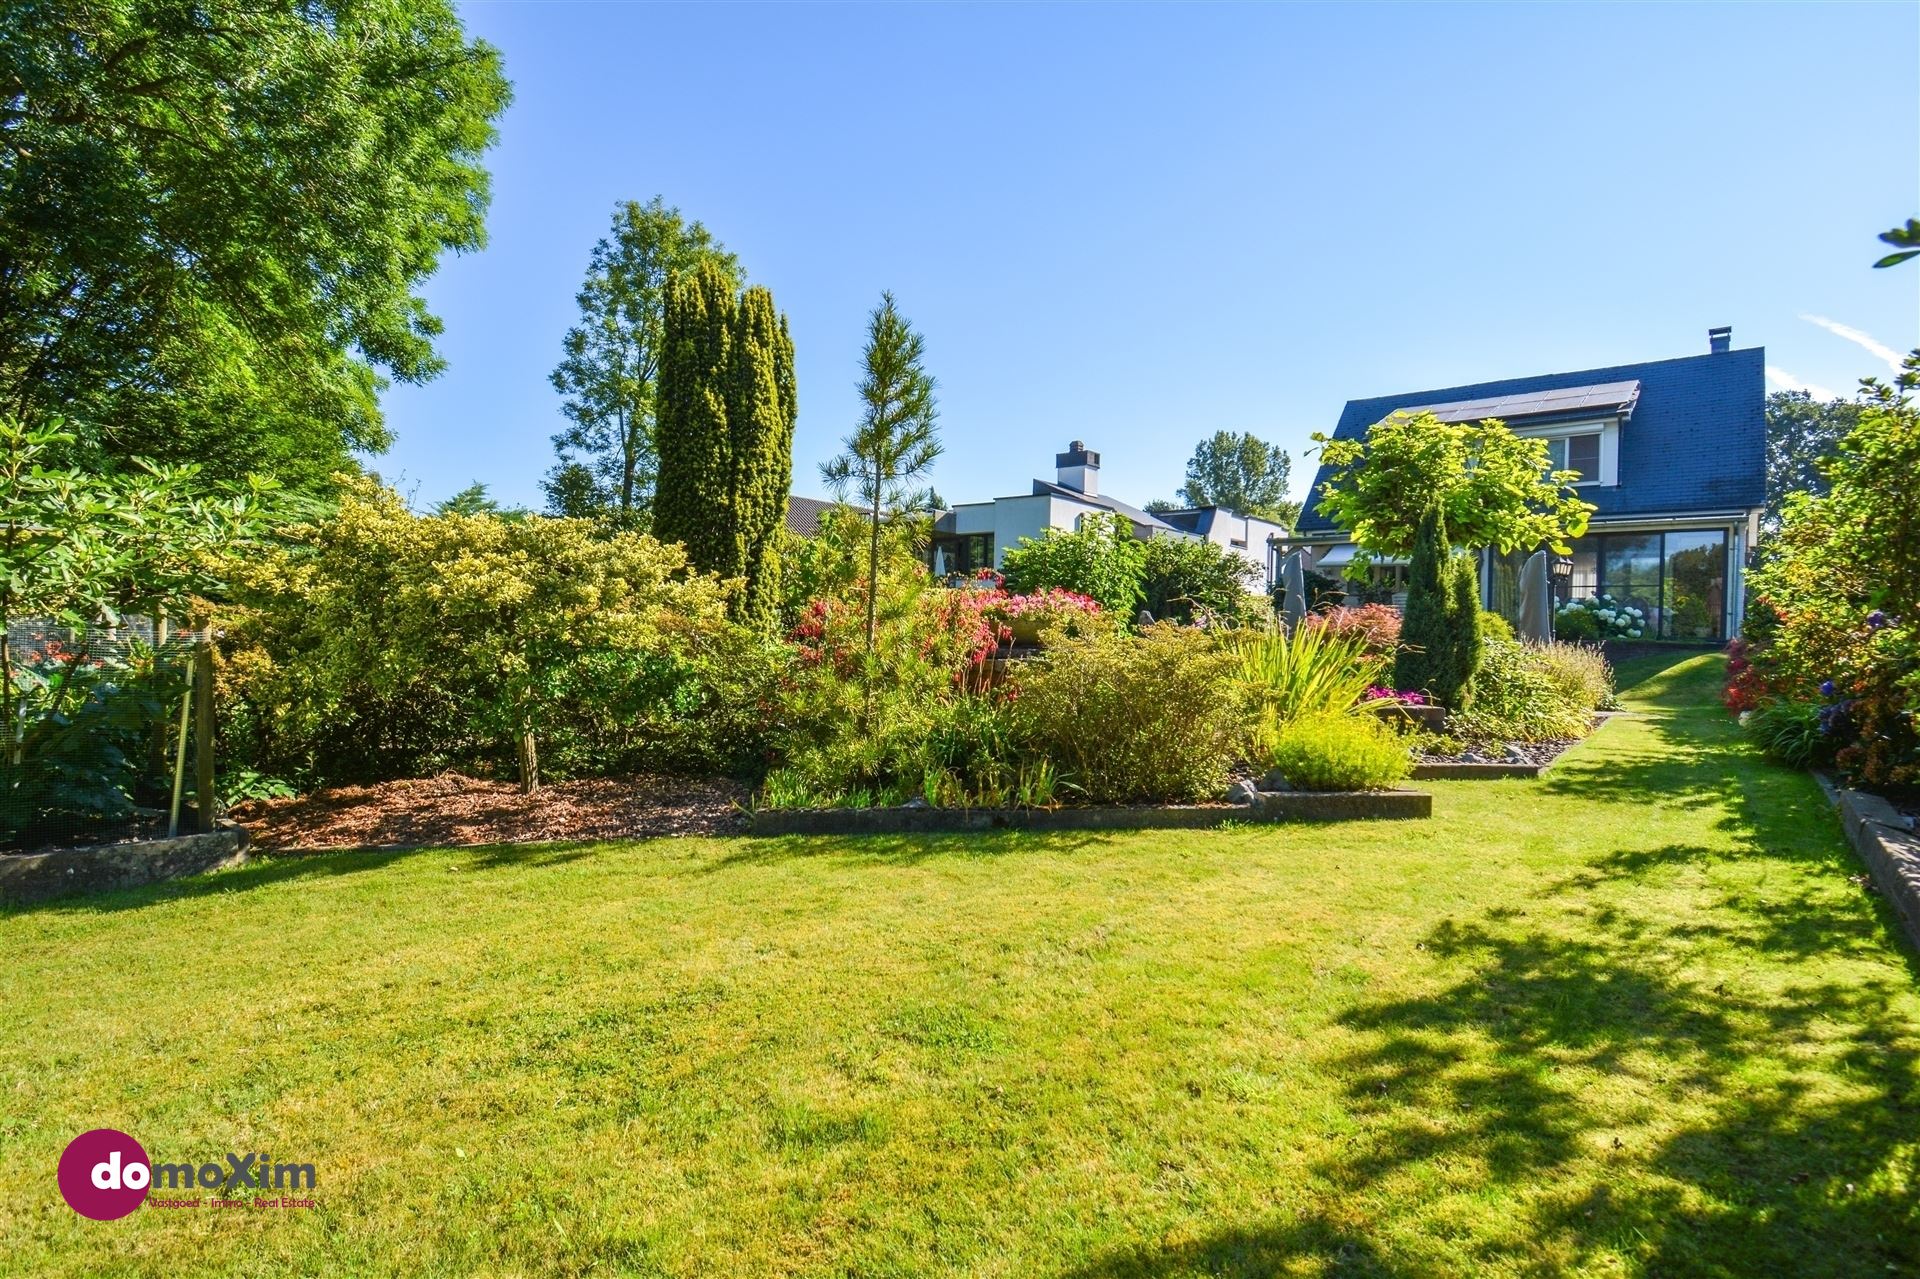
pixel 1609 397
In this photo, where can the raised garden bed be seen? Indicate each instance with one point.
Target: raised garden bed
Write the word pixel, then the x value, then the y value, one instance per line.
pixel 64 872
pixel 1511 760
pixel 1886 841
pixel 1272 806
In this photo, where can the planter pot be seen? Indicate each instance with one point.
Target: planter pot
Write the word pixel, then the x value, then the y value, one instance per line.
pixel 1431 718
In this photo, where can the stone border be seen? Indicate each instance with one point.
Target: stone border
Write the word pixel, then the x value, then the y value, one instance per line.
pixel 26 878
pixel 1273 806
pixel 1476 772
pixel 1890 850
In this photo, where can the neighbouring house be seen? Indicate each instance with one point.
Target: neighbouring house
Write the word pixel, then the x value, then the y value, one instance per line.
pixel 1672 454
pixel 803 515
pixel 977 535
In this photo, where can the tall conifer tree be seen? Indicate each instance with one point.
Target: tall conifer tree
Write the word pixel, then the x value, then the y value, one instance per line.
pixel 726 417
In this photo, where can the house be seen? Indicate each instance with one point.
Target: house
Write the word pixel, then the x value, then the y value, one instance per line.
pixel 1672 454
pixel 977 535
pixel 803 515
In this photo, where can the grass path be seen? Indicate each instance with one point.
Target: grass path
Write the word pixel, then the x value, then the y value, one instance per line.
pixel 1637 1018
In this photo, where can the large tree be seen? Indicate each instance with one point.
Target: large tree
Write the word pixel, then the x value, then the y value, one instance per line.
pixel 726 416
pixel 896 443
pixel 1802 433
pixel 214 218
pixel 610 367
pixel 1493 488
pixel 1242 473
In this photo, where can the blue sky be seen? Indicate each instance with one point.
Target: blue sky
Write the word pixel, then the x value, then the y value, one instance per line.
pixel 1136 225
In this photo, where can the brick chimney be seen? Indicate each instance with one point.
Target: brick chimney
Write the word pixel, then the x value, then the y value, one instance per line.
pixel 1078 469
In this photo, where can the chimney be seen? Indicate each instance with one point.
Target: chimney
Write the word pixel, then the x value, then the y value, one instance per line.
pixel 1079 469
pixel 1720 340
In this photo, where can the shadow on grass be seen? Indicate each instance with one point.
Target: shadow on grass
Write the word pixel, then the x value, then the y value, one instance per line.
pixel 908 849
pixel 266 870
pixel 1590 1084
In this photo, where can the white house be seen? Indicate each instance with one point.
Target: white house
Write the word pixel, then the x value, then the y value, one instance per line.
pixel 977 535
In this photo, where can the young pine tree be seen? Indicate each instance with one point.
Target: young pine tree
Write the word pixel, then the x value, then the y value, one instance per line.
pixel 897 440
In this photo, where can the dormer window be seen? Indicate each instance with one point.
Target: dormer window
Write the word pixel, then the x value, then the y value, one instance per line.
pixel 1580 453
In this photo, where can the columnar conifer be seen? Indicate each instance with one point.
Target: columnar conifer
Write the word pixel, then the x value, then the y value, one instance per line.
pixel 726 420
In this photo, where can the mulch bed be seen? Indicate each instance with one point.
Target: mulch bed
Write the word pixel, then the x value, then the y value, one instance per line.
pixel 451 809
pixel 1542 753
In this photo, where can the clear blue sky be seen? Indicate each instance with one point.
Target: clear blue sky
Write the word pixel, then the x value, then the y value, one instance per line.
pixel 1136 225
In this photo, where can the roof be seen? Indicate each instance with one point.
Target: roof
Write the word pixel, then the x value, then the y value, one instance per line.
pixel 1573 401
pixel 1696 440
pixel 1118 507
pixel 803 515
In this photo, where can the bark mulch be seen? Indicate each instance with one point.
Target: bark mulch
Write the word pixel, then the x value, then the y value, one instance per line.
pixel 451 809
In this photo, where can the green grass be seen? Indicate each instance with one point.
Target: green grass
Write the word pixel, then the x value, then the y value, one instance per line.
pixel 1636 1018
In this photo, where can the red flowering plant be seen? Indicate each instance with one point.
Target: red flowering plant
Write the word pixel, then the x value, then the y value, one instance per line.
pixel 1051 612
pixel 1378 625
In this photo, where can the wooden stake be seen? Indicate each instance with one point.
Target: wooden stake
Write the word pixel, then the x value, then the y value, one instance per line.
pixel 203 796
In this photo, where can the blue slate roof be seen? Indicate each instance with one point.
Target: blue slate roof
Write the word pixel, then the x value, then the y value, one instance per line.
pixel 1696 440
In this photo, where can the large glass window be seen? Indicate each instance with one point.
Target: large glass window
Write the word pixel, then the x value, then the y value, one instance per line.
pixel 1696 586
pixel 961 554
pixel 1678 579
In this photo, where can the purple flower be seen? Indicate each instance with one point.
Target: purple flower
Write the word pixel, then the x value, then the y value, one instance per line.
pixel 1876 619
pixel 1826 688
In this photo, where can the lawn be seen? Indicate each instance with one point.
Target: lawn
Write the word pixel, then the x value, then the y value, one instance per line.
pixel 1638 1018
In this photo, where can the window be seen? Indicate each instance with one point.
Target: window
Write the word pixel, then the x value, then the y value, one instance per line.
pixel 1576 453
pixel 963 554
pixel 1678 579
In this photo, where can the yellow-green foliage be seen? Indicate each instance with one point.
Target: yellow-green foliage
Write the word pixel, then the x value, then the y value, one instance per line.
pixel 1523 693
pixel 385 642
pixel 1124 718
pixel 1330 751
pixel 1579 670
pixel 1307 669
pixel 727 412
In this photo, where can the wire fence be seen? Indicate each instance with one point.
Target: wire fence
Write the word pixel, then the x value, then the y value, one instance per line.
pixel 97 733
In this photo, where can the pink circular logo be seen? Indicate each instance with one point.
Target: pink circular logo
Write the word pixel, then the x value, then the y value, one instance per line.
pixel 104 1174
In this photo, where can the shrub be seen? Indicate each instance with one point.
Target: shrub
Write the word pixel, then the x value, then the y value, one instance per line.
pixel 1307 670
pixel 1187 579
pixel 1333 752
pixel 390 644
pixel 1601 617
pixel 1378 625
pixel 1047 615
pixel 1440 638
pixel 1134 718
pixel 1792 732
pixel 1519 696
pixel 1101 558
pixel 1581 672
pixel 1494 626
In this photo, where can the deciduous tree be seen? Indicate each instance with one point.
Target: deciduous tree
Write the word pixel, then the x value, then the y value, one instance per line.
pixel 214 220
pixel 609 372
pixel 1493 488
pixel 1242 473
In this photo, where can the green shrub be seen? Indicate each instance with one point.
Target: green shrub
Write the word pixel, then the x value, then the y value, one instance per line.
pixel 1494 626
pixel 1135 718
pixel 1577 626
pixel 1520 695
pixel 1186 579
pixel 1789 731
pixel 1312 668
pixel 1440 637
pixel 1580 671
pixel 1327 751
pixel 1102 558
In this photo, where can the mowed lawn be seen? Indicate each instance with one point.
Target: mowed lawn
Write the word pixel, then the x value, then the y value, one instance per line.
pixel 1638 1018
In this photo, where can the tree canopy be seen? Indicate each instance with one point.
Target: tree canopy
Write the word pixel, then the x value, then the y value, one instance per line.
pixel 1802 433
pixel 1493 488
pixel 214 219
pixel 1242 473
pixel 609 371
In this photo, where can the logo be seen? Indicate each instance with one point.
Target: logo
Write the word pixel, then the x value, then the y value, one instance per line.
pixel 104 1174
